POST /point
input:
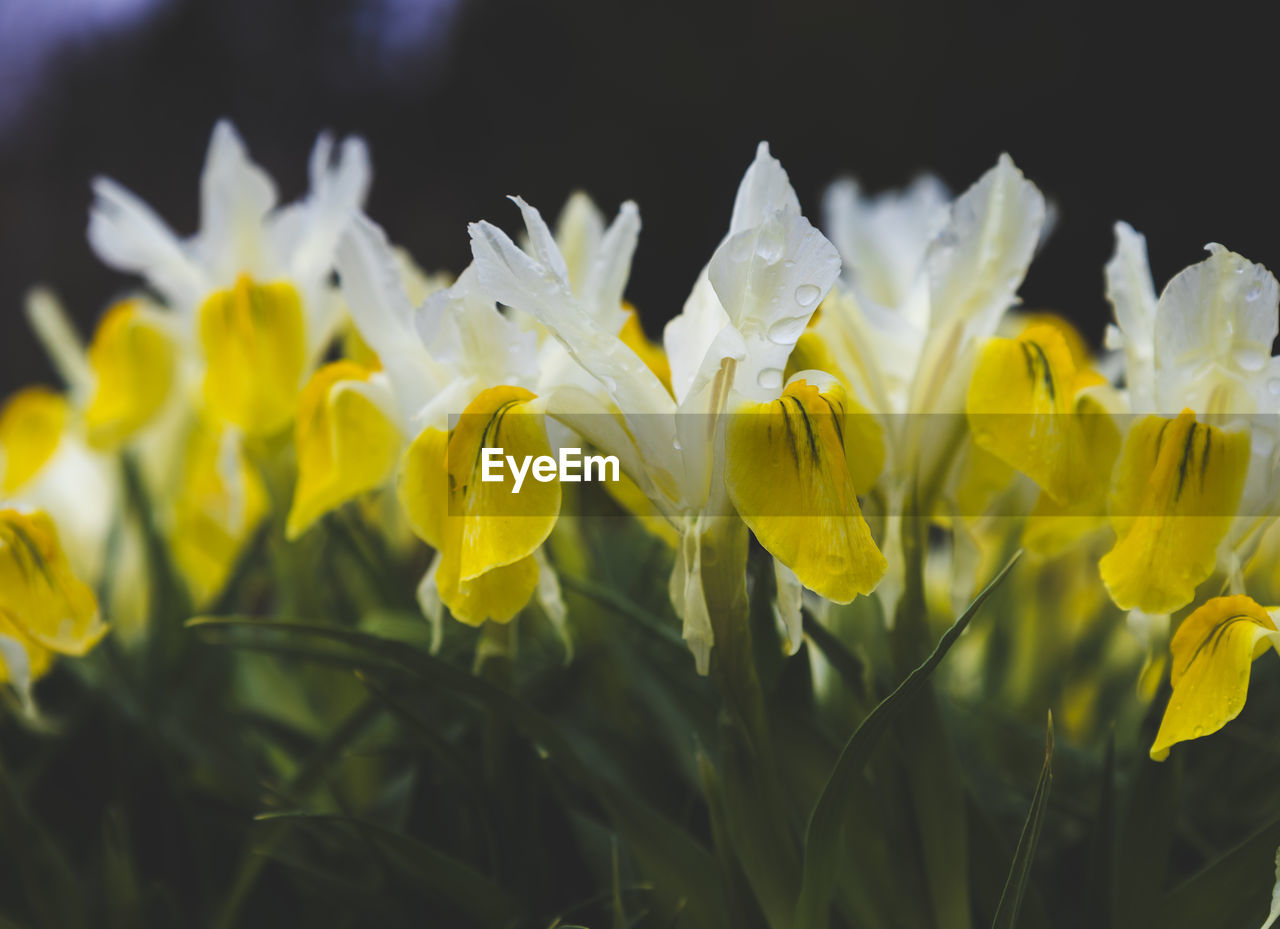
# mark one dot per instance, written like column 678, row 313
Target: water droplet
column 675, row 443
column 1251, row 359
column 1273, row 386
column 807, row 294
column 769, row 246
column 1254, row 293
column 770, row 378
column 785, row 331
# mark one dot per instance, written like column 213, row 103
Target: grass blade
column 1015, row 887
column 822, row 851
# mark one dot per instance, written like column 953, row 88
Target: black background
column 1146, row 113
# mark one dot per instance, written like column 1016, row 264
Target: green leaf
column 424, row 868
column 683, row 871
column 1099, row 886
column 822, row 852
column 1020, row 872
column 1233, row 891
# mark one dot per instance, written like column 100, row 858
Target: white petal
column 687, row 338
column 765, row 189
column 432, row 606
column 978, row 261
column 338, row 190
column 611, row 267
column 552, row 602
column 1222, row 311
column 127, row 235
column 57, row 334
column 770, row 279
column 579, row 229
column 235, row 197
column 787, row 606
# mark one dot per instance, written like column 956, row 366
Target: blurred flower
column 45, row 610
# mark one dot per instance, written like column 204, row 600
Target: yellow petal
column 1054, row 526
column 811, row 353
column 864, row 436
column 31, row 659
column 254, row 342
column 1213, row 652
column 132, row 360
column 1176, row 490
column 650, row 352
column 497, row 525
column 219, row 504
column 346, row 445
column 498, row 594
column 1020, row 403
column 787, row 475
column 485, row 533
column 39, row 594
column 31, row 425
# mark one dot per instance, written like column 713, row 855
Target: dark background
column 1145, row 114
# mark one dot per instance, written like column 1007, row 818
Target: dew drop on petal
column 770, row 378
column 1273, row 386
column 1254, row 293
column 786, row 331
column 770, row 246
column 807, row 294
column 1251, row 359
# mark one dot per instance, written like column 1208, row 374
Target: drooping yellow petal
column 486, row 532
column 864, row 435
column 499, row 525
column 1175, row 493
column 422, row 484
column 1213, row 652
column 39, row 593
column 650, row 352
column 132, row 360
column 219, row 504
column 254, row 341
column 31, row 426
column 497, row 595
column 1020, row 403
column 1054, row 526
column 787, row 474
column 346, row 444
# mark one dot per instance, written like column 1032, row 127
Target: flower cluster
column 864, row 401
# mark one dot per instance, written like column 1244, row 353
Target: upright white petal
column 370, row 281
column 978, row 261
column 127, row 235
column 883, row 239
column 235, row 197
column 611, row 267
column 1220, row 314
column 579, row 230
column 770, row 278
column 1133, row 301
column 338, row 190
column 765, row 189
column 688, row 336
